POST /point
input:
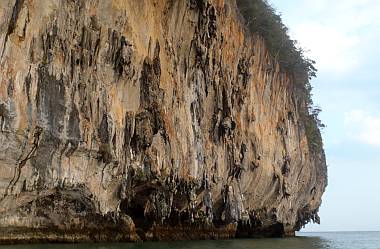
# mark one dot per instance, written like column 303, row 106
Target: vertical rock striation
column 163, row 119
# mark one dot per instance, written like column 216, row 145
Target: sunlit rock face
column 147, row 119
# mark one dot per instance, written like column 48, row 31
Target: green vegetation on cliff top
column 261, row 18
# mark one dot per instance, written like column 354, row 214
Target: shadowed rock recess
column 126, row 120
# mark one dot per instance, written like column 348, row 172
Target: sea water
column 331, row 240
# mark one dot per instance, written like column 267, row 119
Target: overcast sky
column 343, row 36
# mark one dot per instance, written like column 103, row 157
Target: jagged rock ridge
column 126, row 119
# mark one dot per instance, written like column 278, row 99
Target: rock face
column 147, row 119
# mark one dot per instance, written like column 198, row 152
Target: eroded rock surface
column 147, row 119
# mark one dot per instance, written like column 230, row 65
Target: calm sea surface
column 337, row 240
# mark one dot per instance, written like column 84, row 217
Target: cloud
column 363, row 126
column 334, row 51
column 339, row 34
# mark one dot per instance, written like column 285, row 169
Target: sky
column 343, row 37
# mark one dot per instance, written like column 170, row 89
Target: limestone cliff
column 147, row 119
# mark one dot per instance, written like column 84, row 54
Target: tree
column 261, row 18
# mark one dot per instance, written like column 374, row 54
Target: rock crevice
column 151, row 120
